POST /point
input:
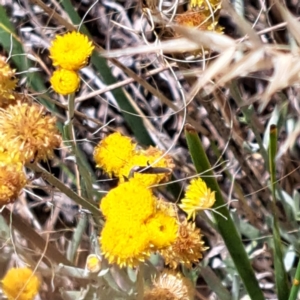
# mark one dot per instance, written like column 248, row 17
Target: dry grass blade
column 286, row 73
column 172, row 46
column 292, row 23
column 118, row 84
column 244, row 27
column 290, row 141
column 209, row 40
column 223, row 71
column 254, row 61
column 193, row 38
column 222, row 62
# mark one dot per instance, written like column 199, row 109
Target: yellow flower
column 65, row 82
column 8, row 158
column 162, row 229
column 125, row 246
column 7, row 83
column 197, row 197
column 93, row 263
column 199, row 19
column 206, row 3
column 187, row 249
column 170, row 285
column 12, row 177
column 166, row 207
column 156, row 153
column 144, row 159
column 28, row 131
column 129, row 202
column 112, row 153
column 71, row 51
column 21, row 284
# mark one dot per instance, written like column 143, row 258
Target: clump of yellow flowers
column 117, row 155
column 27, row 133
column 137, row 222
column 138, row 227
column 69, row 53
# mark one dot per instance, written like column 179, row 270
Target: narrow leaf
column 226, row 227
column 280, row 273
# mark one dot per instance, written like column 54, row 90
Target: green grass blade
column 248, row 112
column 214, row 283
column 280, row 273
column 10, row 41
column 77, row 238
column 296, row 284
column 85, row 203
column 226, row 227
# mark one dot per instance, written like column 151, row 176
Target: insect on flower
column 149, row 170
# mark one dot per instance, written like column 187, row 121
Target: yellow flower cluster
column 69, row 53
column 117, row 155
column 144, row 158
column 137, row 223
column 202, row 14
column 21, row 284
column 134, row 226
column 27, row 133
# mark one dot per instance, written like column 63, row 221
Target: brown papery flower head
column 28, row 131
column 7, row 83
column 170, row 286
column 188, row 247
column 12, row 177
column 202, row 19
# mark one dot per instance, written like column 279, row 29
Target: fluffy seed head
column 187, row 249
column 170, row 286
column 28, row 131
